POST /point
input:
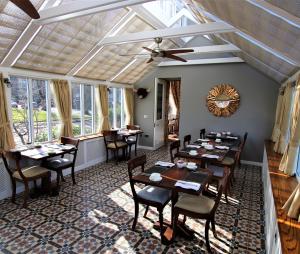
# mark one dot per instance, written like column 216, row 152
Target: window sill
column 88, row 137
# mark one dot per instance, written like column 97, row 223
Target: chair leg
column 174, row 226
column 226, row 193
column 58, row 173
column 116, row 156
column 135, row 148
column 106, row 155
column 146, row 211
column 129, row 152
column 161, row 224
column 136, row 215
column 14, row 187
column 62, row 177
column 207, row 236
column 26, row 194
column 213, row 227
column 73, row 174
column 184, row 219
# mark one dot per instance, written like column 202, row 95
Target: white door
column 159, row 113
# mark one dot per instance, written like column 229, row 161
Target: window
column 116, row 107
column 83, row 109
column 34, row 116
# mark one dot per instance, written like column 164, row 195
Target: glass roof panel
column 58, row 47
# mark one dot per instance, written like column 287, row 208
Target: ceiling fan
column 27, row 7
column 168, row 53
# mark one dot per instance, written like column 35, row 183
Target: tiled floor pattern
column 95, row 216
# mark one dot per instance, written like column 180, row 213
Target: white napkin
column 193, row 146
column 212, row 156
column 188, row 185
column 231, row 137
column 203, row 139
column 164, row 164
column 222, row 147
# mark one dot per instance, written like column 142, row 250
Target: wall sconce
column 7, row 82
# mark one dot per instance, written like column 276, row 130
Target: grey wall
column 255, row 114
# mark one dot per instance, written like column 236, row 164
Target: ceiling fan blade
column 27, row 7
column 150, row 60
column 178, row 51
column 150, row 50
column 175, row 58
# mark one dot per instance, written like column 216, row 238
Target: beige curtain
column 284, row 119
column 6, row 138
column 292, row 205
column 276, row 130
column 129, row 106
column 175, row 90
column 62, row 94
column 102, row 100
column 289, row 159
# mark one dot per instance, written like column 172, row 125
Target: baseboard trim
column 146, row 147
column 254, row 163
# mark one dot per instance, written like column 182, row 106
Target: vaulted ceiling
column 265, row 34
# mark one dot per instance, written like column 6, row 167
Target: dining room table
column 178, row 180
column 213, row 148
column 37, row 153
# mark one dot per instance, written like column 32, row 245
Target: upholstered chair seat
column 58, row 163
column 155, row 194
column 31, row 172
column 119, row 144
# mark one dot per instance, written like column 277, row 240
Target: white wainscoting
column 90, row 152
column 273, row 245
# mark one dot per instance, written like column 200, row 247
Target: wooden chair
column 199, row 207
column 132, row 140
column 24, row 175
column 174, row 150
column 219, row 167
column 202, row 133
column 113, row 143
column 242, row 146
column 149, row 195
column 59, row 164
column 186, row 140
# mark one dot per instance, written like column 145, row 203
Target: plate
column 156, row 180
column 193, row 154
column 191, row 167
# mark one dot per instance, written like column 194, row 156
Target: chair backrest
column 132, row 164
column 221, row 189
column 174, row 148
column 110, row 136
column 133, row 127
column 71, row 141
column 186, row 140
column 14, row 156
column 244, row 140
column 202, row 133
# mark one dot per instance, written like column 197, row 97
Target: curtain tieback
column 106, row 117
column 66, row 120
column 5, row 124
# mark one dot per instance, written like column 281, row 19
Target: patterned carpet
column 95, row 216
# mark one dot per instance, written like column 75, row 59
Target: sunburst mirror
column 223, row 100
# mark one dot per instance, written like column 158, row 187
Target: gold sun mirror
column 223, row 100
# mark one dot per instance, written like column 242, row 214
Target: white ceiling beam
column 8, row 71
column 202, row 61
column 277, row 12
column 25, row 38
column 82, row 8
column 97, row 48
column 253, row 40
column 147, row 16
column 200, row 29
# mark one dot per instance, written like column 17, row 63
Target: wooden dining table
column 169, row 178
column 231, row 143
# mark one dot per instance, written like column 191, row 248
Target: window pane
column 118, row 107
column 19, row 104
column 39, row 108
column 55, row 121
column 111, row 107
column 76, row 119
column 88, row 119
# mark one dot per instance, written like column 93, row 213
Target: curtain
column 62, row 94
column 129, row 106
column 6, row 138
column 276, row 130
column 292, row 205
column 175, row 90
column 102, row 99
column 289, row 159
column 284, row 119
